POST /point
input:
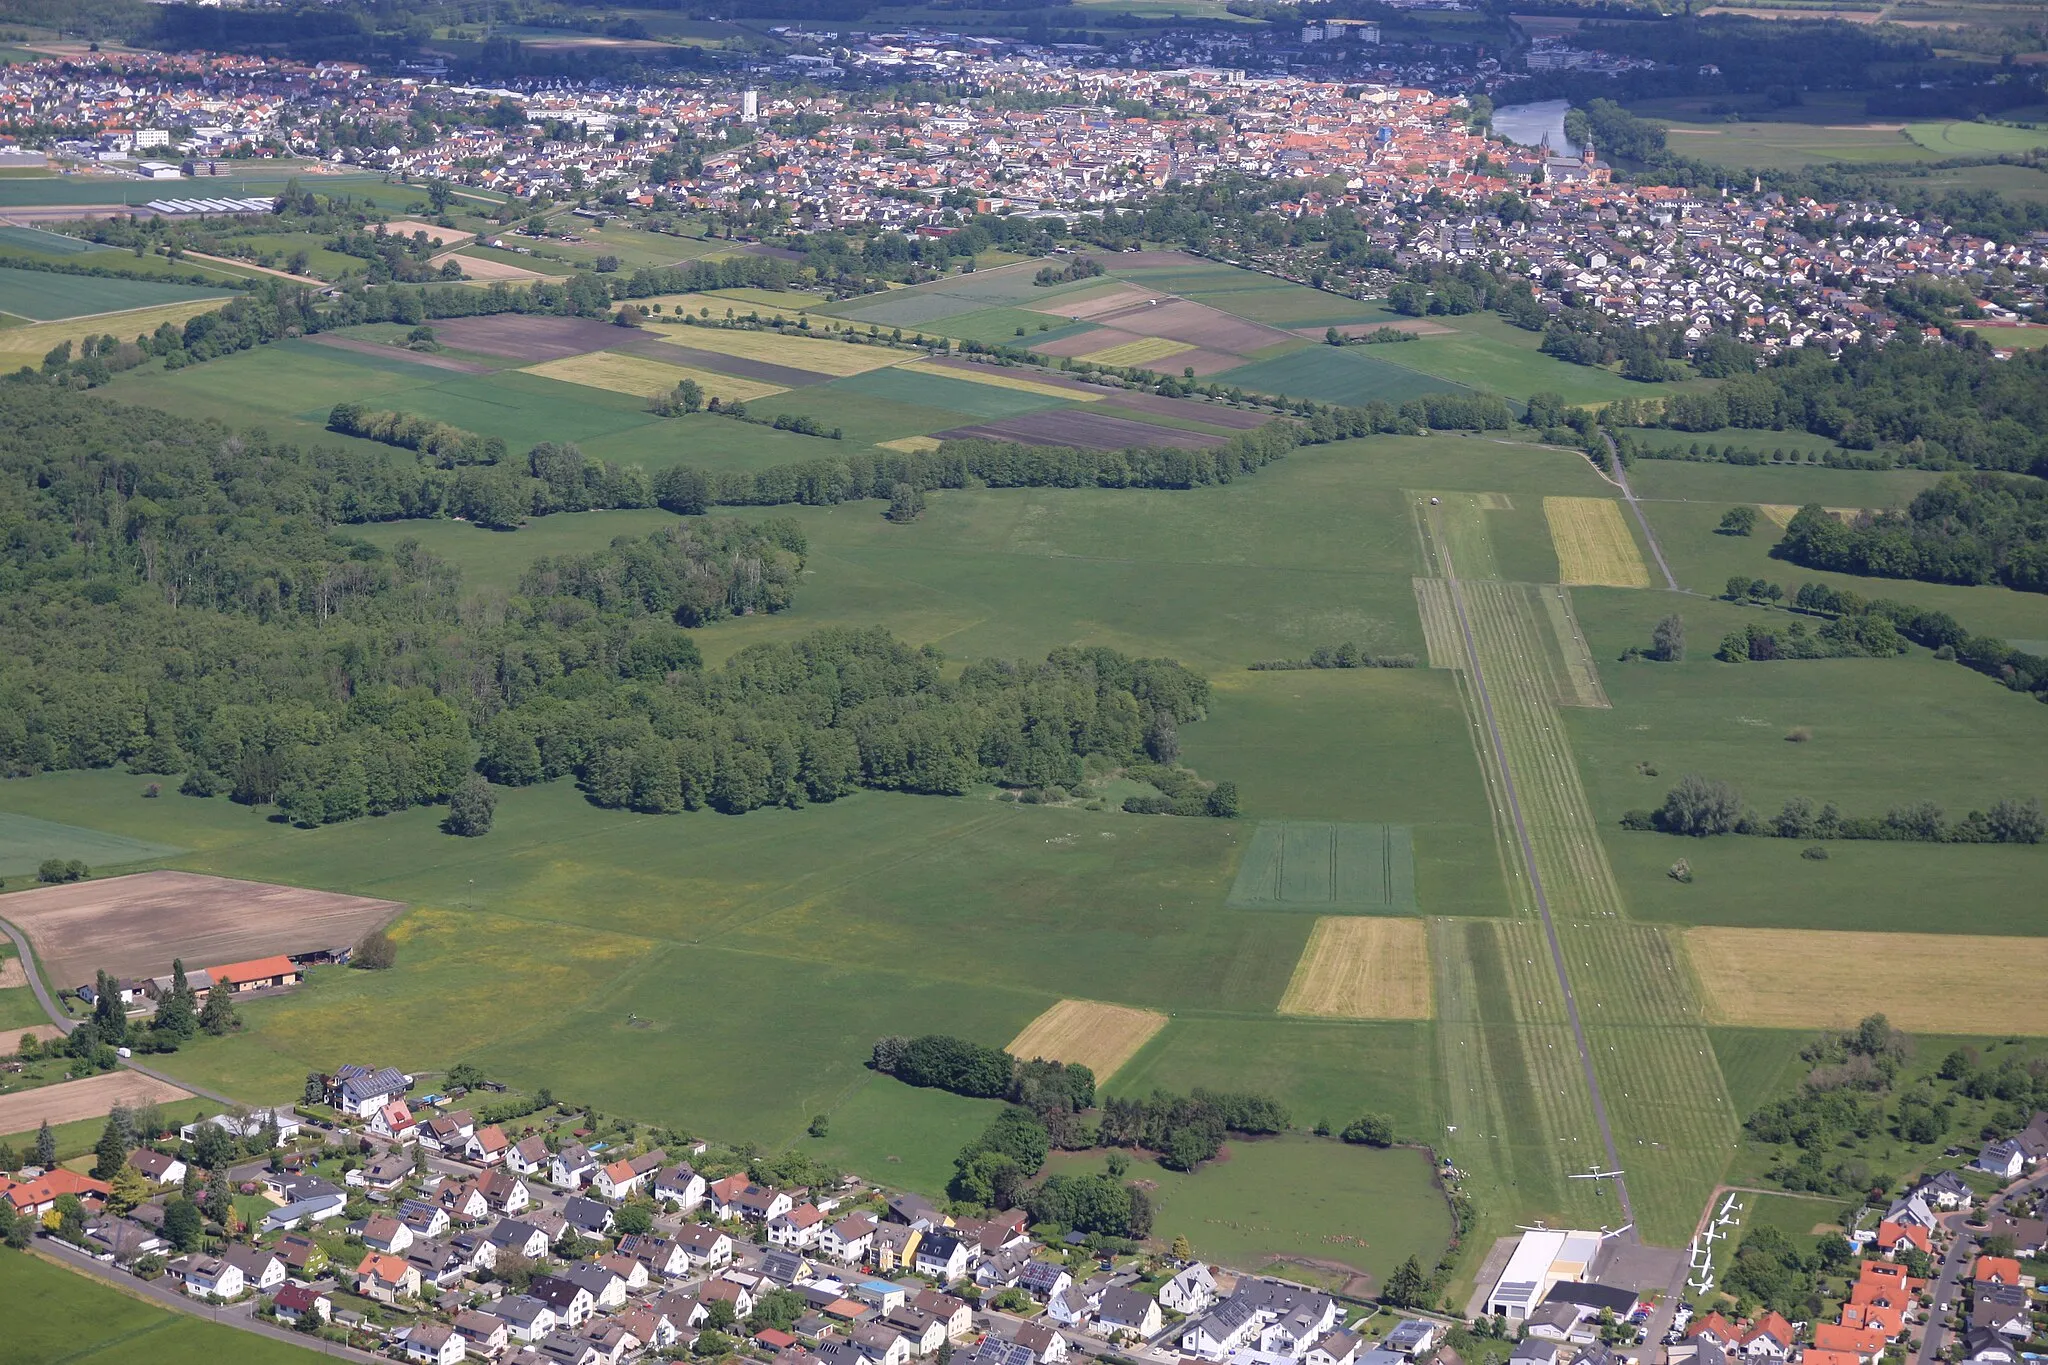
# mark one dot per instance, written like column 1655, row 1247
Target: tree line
column 1974, row 529
column 1701, row 807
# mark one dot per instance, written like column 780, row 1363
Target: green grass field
column 1787, row 146
column 1485, row 352
column 1334, row 374
column 82, row 1321
column 26, row 841
column 1976, row 139
column 44, row 297
column 1318, row 866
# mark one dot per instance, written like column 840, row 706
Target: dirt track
column 91, row 1098
column 136, row 925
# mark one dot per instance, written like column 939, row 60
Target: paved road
column 66, row 1023
column 162, row 1291
column 1953, row 1264
column 1628, row 492
column 1507, row 777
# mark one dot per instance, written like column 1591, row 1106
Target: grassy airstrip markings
column 617, row 373
column 1806, row 978
column 1439, row 625
column 1312, row 865
column 1362, row 967
column 1594, row 546
column 1100, row 1037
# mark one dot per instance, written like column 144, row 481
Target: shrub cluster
column 1701, row 808
column 447, row 446
column 1187, row 1130
column 1334, row 656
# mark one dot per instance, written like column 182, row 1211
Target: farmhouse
column 259, row 974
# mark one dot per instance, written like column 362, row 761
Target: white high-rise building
column 750, row 107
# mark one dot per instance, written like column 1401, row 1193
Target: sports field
column 1354, row 967
column 1098, row 1036
column 1808, row 979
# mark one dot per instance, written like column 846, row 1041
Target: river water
column 1527, row 123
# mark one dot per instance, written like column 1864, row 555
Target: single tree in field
column 1407, row 1287
column 1738, row 521
column 1667, row 640
column 377, row 952
column 219, row 1015
column 46, row 1146
column 1700, row 807
column 471, row 808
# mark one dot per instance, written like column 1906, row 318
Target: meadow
column 43, row 297
column 82, row 1321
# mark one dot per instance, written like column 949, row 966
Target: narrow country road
column 1628, row 492
column 1456, row 593
column 58, row 1017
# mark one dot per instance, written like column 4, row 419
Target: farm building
column 1542, row 1259
column 258, row 974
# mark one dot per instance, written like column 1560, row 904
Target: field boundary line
column 1536, row 885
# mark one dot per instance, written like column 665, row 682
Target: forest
column 1980, row 528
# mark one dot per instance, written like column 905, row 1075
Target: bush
column 1699, row 807
column 1371, row 1130
column 58, row 870
column 376, row 953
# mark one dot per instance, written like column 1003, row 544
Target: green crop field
column 42, row 243
column 44, row 297
column 998, row 327
column 928, row 389
column 1976, row 139
column 1788, row 146
column 1486, row 353
column 1334, row 374
column 1313, row 865
column 26, row 841
column 80, row 1320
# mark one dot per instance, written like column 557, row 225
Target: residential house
column 1865, row 1343
column 1946, row 1191
column 435, row 1344
column 999, row 1269
column 731, row 1291
column 993, row 1350
column 279, row 1127
column 707, row 1246
column 423, row 1219
column 848, row 1239
column 1713, row 1329
column 924, row 1332
column 294, row 1301
column 572, row 1167
column 1982, row 1346
column 209, row 1277
column 654, row 1328
column 1337, row 1347
column 520, row 1238
column 448, row 1133
column 661, row 1255
column 894, row 1247
column 573, row 1303
column 34, row 1198
column 952, row 1313
column 1534, row 1352
column 942, row 1256
column 680, row 1187
column 483, row 1334
column 1912, row 1211
column 261, row 1270
column 307, row 1200
column 382, row 1232
column 528, row 1157
column 1045, row 1280
column 1127, row 1311
column 360, row 1092
column 587, row 1216
column 383, row 1173
column 394, row 1122
column 464, row 1200
column 505, row 1191
column 881, row 1343
column 1895, row 1238
column 1414, row 1338
column 757, row 1204
column 2029, row 1235
column 488, row 1145
column 783, row 1267
column 616, row 1181
column 2033, row 1139
column 1559, row 1321
column 476, row 1250
column 1047, row 1347
column 157, row 1168
column 2004, row 1159
column 634, row 1272
column 525, row 1317
column 2004, row 1309
column 1192, row 1290
column 607, row 1286
column 440, row 1265
column 124, row 1239
column 386, row 1278
column 796, row 1227
column 1267, row 1315
column 1769, row 1338
column 264, row 973
column 1996, row 1270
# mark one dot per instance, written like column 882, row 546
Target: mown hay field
column 1820, row 978
column 28, row 345
column 801, row 353
column 1362, row 967
column 1141, row 352
column 1594, row 547
column 1098, row 1036
column 648, row 378
column 998, row 379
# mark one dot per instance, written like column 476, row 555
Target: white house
column 680, row 1186
column 799, row 1227
column 209, row 1277
column 707, row 1246
column 529, row 1157
column 571, row 1167
column 849, row 1238
column 1191, row 1291
column 261, row 1270
column 1127, row 1311
column 1267, row 1315
column 435, row 1344
column 2004, row 1159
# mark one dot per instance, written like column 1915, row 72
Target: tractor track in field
column 1498, row 744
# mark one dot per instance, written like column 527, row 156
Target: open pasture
column 1098, row 1036
column 1814, row 979
column 1484, row 352
column 1333, row 374
column 135, row 925
column 1594, row 545
column 1313, row 865
column 1361, row 967
column 91, row 1098
column 81, row 1321
column 1969, row 138
column 26, row 841
column 642, row 378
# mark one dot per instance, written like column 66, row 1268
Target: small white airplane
column 1593, row 1172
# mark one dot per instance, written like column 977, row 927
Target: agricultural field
column 28, row 345
column 80, row 1320
column 1788, row 146
column 797, row 352
column 1355, row 967
column 1962, row 138
column 1333, row 374
column 1484, row 352
column 1098, row 1036
column 79, row 1101
column 1813, row 979
column 1594, row 545
column 636, row 377
column 1306, row 865
column 26, row 841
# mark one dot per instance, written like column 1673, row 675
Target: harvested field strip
column 1362, row 967
column 672, row 353
column 1439, row 623
column 912, row 445
column 1811, row 978
column 1557, row 657
column 28, row 345
column 839, row 358
column 1779, row 514
column 1594, row 545
column 91, row 1098
column 1098, row 1036
column 1142, row 352
column 995, row 378
column 648, row 378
